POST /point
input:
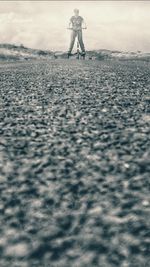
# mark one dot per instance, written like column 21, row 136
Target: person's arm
column 84, row 24
column 70, row 24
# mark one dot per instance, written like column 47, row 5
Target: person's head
column 76, row 12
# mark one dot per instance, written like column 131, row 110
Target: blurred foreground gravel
column 74, row 164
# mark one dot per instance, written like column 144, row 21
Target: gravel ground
column 74, row 164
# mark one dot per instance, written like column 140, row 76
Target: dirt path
column 74, row 164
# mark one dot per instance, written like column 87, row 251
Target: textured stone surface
column 74, row 164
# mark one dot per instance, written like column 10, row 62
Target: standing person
column 76, row 25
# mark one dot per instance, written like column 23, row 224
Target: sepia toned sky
column 115, row 25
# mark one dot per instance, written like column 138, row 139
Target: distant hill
column 104, row 54
column 120, row 55
column 11, row 52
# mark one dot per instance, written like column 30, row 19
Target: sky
column 114, row 25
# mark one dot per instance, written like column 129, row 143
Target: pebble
column 17, row 250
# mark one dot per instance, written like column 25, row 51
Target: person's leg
column 80, row 39
column 73, row 36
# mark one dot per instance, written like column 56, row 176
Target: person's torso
column 77, row 23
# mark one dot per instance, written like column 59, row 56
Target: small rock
column 145, row 203
column 95, row 210
column 17, row 250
